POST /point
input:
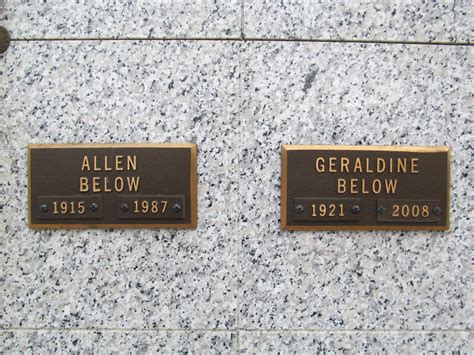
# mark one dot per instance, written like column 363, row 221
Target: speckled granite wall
column 139, row 72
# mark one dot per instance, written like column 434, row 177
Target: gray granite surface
column 460, row 125
column 237, row 283
column 384, row 20
column 121, row 92
column 438, row 21
column 372, row 94
column 119, row 342
column 356, row 342
column 119, row 19
column 228, row 342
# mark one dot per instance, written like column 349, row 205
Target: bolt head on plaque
column 355, row 209
column 124, row 207
column 112, row 185
column 299, row 209
column 356, row 187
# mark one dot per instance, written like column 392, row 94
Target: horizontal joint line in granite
column 242, row 39
column 269, row 331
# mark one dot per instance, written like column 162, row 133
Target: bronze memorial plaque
column 112, row 185
column 364, row 188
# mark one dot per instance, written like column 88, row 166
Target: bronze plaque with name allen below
column 112, row 185
column 365, row 188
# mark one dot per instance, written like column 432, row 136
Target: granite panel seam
column 239, row 39
column 234, row 330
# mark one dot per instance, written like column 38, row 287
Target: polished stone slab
column 239, row 102
column 362, row 94
column 460, row 131
column 82, row 92
column 118, row 341
column 102, row 19
column 439, row 21
column 356, row 342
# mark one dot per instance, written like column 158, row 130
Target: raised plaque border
column 192, row 181
column 416, row 149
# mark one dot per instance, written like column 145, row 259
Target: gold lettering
column 118, row 162
column 344, row 165
column 391, row 186
column 358, row 165
column 402, row 165
column 320, row 165
column 414, row 165
column 391, row 165
column 341, row 186
column 106, row 184
column 377, row 189
column 364, row 191
column 380, row 165
column 133, row 183
column 332, row 165
column 132, row 162
column 353, row 186
column 367, row 166
column 119, row 184
column 106, row 164
column 96, row 167
column 83, row 184
column 96, row 184
column 85, row 164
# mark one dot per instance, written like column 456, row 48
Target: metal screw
column 124, row 207
column 176, row 207
column 299, row 209
column 4, row 39
column 94, row 207
column 381, row 210
column 437, row 210
column 43, row 208
column 355, row 209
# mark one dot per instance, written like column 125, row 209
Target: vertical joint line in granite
column 240, row 118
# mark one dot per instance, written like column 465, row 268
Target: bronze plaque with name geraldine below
column 112, row 185
column 365, row 188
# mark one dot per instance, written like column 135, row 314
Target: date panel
column 151, row 207
column 326, row 209
column 409, row 211
column 69, row 207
